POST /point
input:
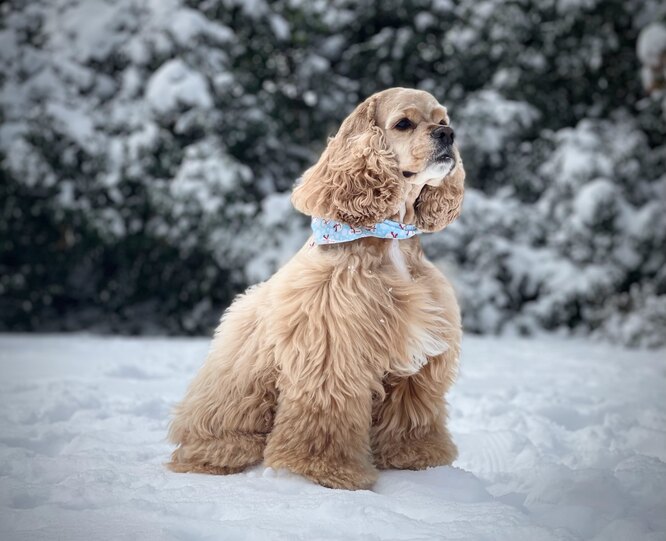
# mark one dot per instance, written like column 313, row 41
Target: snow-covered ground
column 559, row 439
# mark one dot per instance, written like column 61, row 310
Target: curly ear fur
column 437, row 207
column 356, row 180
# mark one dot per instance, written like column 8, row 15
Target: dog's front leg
column 410, row 431
column 322, row 431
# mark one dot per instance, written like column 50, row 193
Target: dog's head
column 393, row 157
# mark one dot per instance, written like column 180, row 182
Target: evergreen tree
column 147, row 151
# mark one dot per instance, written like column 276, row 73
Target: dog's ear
column 356, row 180
column 436, row 207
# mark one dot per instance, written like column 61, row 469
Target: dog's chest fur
column 425, row 332
column 398, row 259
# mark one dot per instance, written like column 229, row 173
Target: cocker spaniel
column 339, row 363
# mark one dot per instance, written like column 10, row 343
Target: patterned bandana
column 332, row 232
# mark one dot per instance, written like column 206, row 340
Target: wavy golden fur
column 338, row 365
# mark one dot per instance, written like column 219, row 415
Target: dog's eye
column 443, row 123
column 404, row 124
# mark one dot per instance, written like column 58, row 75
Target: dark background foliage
column 148, row 150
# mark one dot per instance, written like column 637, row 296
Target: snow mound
column 558, row 440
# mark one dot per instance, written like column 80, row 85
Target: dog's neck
column 433, row 175
column 406, row 214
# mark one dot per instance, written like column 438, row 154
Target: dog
column 338, row 365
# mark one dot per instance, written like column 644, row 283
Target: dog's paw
column 417, row 454
column 333, row 474
column 230, row 453
column 348, row 477
column 184, row 467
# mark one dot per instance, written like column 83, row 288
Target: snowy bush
column 147, row 150
column 651, row 49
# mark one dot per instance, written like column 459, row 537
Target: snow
column 651, row 45
column 86, row 29
column 559, row 439
column 277, row 215
column 175, row 84
column 187, row 25
column 579, row 155
column 651, row 50
column 74, row 123
column 593, row 198
column 491, row 120
column 279, row 26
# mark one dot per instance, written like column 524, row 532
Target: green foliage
column 148, row 151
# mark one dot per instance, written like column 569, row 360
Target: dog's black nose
column 444, row 134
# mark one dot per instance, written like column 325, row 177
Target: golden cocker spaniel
column 339, row 363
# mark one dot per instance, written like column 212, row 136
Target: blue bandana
column 332, row 232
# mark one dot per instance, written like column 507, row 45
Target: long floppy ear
column 437, row 207
column 356, row 180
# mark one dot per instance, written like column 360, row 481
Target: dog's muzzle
column 444, row 135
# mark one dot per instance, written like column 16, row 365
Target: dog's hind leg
column 223, row 433
column 221, row 425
